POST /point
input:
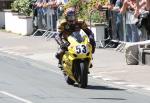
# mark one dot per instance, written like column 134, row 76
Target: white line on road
column 111, row 72
column 121, row 83
column 15, row 97
column 97, row 76
column 147, row 88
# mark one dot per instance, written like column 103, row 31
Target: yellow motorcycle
column 76, row 60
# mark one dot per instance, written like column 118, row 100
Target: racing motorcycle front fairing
column 79, row 47
column 79, row 50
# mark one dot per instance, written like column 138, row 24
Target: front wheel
column 83, row 75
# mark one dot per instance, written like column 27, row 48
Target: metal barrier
column 118, row 30
column 49, row 34
column 46, row 22
column 143, row 34
column 144, row 40
column 114, row 33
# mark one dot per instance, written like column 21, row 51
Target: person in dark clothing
column 35, row 14
column 113, row 2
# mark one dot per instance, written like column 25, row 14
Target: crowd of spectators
column 132, row 10
column 45, row 13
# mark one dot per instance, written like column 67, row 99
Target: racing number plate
column 81, row 49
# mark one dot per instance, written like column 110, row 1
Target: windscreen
column 77, row 36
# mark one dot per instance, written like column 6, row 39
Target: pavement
column 108, row 64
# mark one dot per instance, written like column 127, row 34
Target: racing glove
column 64, row 45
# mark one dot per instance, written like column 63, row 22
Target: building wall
column 23, row 24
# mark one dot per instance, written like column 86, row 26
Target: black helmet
column 70, row 14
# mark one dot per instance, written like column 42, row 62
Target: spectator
column 44, row 9
column 109, row 15
column 143, row 4
column 148, row 19
column 148, row 5
column 35, row 14
column 60, row 8
column 112, row 2
column 144, row 16
column 52, row 15
column 118, row 20
column 109, row 5
column 39, row 5
column 132, row 33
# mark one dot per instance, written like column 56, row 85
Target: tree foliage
column 22, row 6
column 84, row 9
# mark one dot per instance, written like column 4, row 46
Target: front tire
column 83, row 76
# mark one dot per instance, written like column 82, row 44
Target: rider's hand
column 64, row 45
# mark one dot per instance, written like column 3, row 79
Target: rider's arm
column 59, row 36
column 87, row 30
column 90, row 35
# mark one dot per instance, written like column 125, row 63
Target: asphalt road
column 26, row 81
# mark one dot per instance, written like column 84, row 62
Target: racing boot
column 59, row 60
column 60, row 66
column 91, row 65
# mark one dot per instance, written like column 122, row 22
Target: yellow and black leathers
column 65, row 29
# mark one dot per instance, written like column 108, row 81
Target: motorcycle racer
column 67, row 27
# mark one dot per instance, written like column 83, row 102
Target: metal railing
column 46, row 22
column 118, row 30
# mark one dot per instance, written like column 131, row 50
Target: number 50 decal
column 81, row 49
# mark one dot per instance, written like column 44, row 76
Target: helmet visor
column 71, row 18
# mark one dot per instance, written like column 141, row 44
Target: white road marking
column 132, row 85
column 122, row 83
column 107, row 79
column 111, row 72
column 15, row 97
column 96, row 76
column 147, row 88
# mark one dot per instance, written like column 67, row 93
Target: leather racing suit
column 66, row 29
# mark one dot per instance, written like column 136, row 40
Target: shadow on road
column 106, row 88
column 96, row 87
column 103, row 88
column 109, row 98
